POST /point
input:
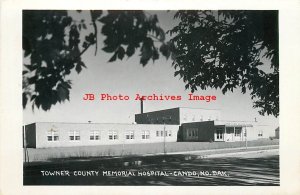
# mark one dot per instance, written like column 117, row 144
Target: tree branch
column 96, row 32
column 157, row 39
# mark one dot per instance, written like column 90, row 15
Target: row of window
column 74, row 135
column 166, row 120
column 192, row 132
column 161, row 133
column 186, row 118
column 201, row 118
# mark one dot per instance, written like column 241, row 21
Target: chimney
column 142, row 106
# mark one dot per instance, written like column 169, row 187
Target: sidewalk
column 223, row 152
column 246, row 154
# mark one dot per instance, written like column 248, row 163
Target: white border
column 10, row 94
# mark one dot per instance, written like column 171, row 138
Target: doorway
column 219, row 135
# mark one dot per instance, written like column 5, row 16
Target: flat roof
column 100, row 123
column 234, row 123
column 178, row 108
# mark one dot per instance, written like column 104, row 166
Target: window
column 162, row 133
column 129, row 135
column 112, row 135
column 229, row 130
column 52, row 135
column 238, row 131
column 74, row 135
column 260, row 133
column 192, row 132
column 145, row 134
column 94, row 135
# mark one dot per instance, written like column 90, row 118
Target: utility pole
column 165, row 138
column 246, row 137
column 123, row 142
column 165, row 133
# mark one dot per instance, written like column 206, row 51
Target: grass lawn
column 46, row 154
column 255, row 170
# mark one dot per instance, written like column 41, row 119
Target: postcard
column 143, row 98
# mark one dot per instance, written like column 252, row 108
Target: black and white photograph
column 150, row 97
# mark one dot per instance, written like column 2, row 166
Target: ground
column 255, row 168
column 46, row 154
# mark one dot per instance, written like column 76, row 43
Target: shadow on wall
column 180, row 134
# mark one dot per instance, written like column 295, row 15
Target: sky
column 129, row 77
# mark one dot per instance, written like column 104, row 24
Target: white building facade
column 47, row 134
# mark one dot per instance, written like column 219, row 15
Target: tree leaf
column 130, row 50
column 78, row 68
column 113, row 58
column 24, row 102
column 165, row 50
column 121, row 53
column 109, row 49
column 30, row 67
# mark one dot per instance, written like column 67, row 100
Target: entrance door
column 219, row 136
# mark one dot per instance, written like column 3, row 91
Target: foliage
column 126, row 31
column 52, row 56
column 216, row 49
column 225, row 50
